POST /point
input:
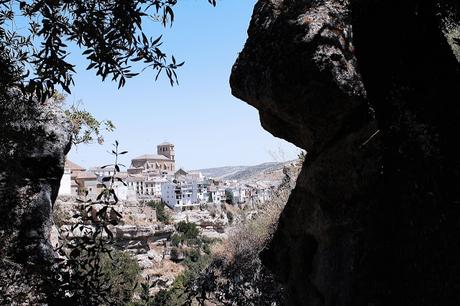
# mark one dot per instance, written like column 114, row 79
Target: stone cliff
column 368, row 88
column 34, row 141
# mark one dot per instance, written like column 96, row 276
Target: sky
column 207, row 125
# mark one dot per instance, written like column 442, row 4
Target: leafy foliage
column 82, row 274
column 236, row 275
column 178, row 294
column 122, row 273
column 230, row 216
column 188, row 229
column 111, row 34
column 85, row 127
column 162, row 214
column 229, row 197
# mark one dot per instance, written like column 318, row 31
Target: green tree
column 162, row 214
column 85, row 127
column 228, row 197
column 122, row 273
column 190, row 230
column 112, row 35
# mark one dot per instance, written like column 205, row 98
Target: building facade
column 155, row 164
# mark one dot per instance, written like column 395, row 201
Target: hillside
column 270, row 171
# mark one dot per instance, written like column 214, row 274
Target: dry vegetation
column 236, row 275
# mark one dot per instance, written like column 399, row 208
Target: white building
column 146, row 187
column 178, row 194
column 260, row 192
column 239, row 194
column 66, row 182
column 202, row 191
column 216, row 195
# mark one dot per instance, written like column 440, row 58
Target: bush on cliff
column 235, row 275
column 162, row 214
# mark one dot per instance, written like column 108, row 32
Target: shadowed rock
column 34, row 141
column 374, row 218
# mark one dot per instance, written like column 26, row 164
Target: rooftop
column 151, row 156
column 166, row 144
column 73, row 166
column 86, row 175
column 109, row 168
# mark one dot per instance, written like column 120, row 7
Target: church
column 155, row 164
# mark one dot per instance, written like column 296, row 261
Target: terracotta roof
column 86, row 175
column 151, row 156
column 73, row 166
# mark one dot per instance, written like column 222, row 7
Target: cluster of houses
column 154, row 177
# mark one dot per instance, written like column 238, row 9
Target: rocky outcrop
column 34, row 141
column 366, row 87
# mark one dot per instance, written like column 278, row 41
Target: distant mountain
column 271, row 171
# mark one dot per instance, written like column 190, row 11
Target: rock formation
column 34, row 140
column 368, row 88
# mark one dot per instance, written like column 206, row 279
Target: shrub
column 176, row 254
column 236, row 275
column 190, row 230
column 178, row 294
column 230, row 217
column 121, row 272
column 176, row 239
column 212, row 212
column 162, row 298
column 162, row 214
column 193, row 255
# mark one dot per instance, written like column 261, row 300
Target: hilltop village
column 207, row 210
column 153, row 177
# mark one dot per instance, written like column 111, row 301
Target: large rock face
column 368, row 88
column 34, row 139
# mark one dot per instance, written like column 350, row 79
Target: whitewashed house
column 238, row 194
column 202, row 191
column 216, row 194
column 88, row 185
column 66, row 183
column 179, row 194
column 146, row 187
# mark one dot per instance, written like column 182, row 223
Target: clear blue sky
column 208, row 126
